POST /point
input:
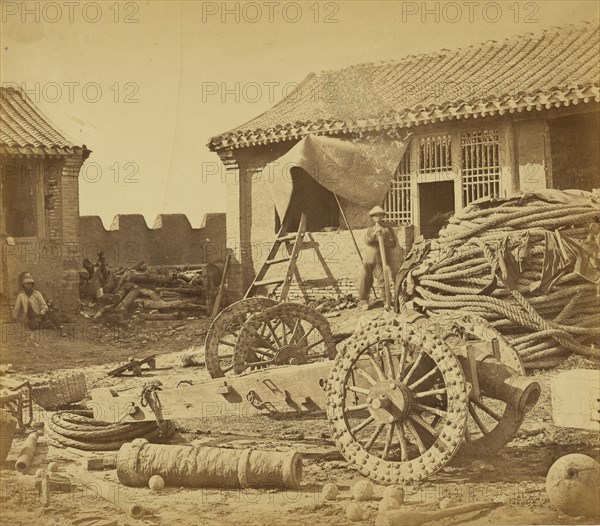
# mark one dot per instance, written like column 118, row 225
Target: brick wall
column 170, row 241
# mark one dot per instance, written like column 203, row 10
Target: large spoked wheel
column 397, row 403
column 492, row 423
column 286, row 334
column 222, row 335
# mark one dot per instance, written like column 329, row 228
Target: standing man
column 372, row 256
column 31, row 307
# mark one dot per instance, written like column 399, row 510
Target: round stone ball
column 573, row 485
column 354, row 512
column 330, row 491
column 387, row 504
column 362, row 490
column 39, row 473
column 394, row 492
column 156, row 483
column 52, row 467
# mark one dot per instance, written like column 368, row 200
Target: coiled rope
column 449, row 273
column 78, row 429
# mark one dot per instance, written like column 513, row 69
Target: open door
column 436, row 204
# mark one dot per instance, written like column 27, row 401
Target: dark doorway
column 574, row 150
column 436, row 202
column 309, row 196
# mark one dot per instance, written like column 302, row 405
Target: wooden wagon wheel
column 397, row 403
column 222, row 335
column 286, row 334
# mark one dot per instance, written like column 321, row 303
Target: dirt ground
column 515, row 476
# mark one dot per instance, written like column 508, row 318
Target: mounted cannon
column 402, row 394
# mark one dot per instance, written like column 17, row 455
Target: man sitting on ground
column 31, row 308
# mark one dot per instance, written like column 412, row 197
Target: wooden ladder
column 293, row 242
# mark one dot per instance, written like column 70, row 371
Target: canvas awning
column 359, row 171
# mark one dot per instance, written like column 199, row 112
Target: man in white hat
column 371, row 256
column 31, row 307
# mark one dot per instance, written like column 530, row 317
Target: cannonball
column 362, row 490
column 394, row 492
column 52, row 467
column 387, row 504
column 354, row 512
column 39, row 473
column 329, row 491
column 156, row 483
column 573, row 485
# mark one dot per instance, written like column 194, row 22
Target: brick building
column 40, row 202
column 491, row 119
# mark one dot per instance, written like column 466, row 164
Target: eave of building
column 526, row 102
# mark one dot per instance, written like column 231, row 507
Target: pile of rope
column 78, row 429
column 461, row 271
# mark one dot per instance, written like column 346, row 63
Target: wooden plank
column 576, row 399
column 282, row 390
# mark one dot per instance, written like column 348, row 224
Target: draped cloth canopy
column 359, row 171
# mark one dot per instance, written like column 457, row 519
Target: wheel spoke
column 357, row 389
column 402, row 361
column 296, row 326
column 227, row 369
column 487, row 409
column 432, row 410
column 364, row 374
column 374, row 436
column 388, row 359
column 478, row 421
column 284, row 335
column 417, row 419
column 413, row 367
column 432, row 392
column 314, row 344
column 375, row 365
column 418, row 441
column 225, row 342
column 266, row 343
column 356, row 407
column 423, row 378
column 388, row 441
column 362, row 425
column 273, row 333
column 403, row 446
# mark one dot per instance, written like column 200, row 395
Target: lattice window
column 397, row 203
column 480, row 165
column 435, row 154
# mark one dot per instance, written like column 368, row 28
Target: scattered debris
column 27, row 453
column 416, row 518
column 327, row 305
column 106, row 490
column 135, row 366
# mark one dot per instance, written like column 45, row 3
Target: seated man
column 372, row 257
column 31, row 308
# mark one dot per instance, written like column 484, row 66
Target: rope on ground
column 78, row 429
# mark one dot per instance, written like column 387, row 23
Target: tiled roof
column 25, row 131
column 556, row 68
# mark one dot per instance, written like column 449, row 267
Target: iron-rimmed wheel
column 222, row 335
column 397, row 403
column 286, row 334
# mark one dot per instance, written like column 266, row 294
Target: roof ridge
column 446, row 52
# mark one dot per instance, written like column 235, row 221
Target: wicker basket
column 8, row 424
column 59, row 391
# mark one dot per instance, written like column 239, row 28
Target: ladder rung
column 288, row 237
column 279, row 260
column 268, row 282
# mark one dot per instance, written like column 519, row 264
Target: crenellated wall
column 170, row 241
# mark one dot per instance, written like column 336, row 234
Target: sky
column 144, row 85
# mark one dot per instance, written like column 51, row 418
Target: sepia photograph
column 284, row 263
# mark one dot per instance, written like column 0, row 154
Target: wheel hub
column 290, row 355
column 389, row 401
